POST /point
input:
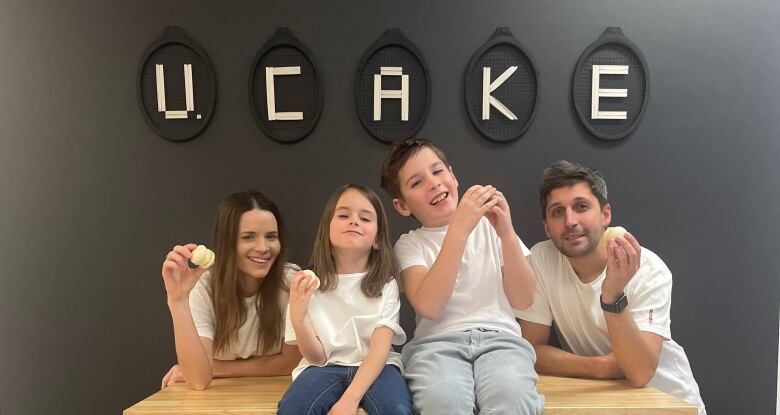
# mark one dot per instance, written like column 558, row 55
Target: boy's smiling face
column 429, row 189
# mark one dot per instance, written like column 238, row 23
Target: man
column 610, row 300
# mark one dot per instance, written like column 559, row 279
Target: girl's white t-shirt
column 344, row 320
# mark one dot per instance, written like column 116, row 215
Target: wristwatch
column 618, row 306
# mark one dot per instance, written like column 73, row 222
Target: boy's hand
column 477, row 201
column 500, row 217
column 300, row 293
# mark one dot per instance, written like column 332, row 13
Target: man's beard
column 593, row 238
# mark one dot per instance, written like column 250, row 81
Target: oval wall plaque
column 610, row 86
column 392, row 88
column 177, row 87
column 501, row 88
column 284, row 89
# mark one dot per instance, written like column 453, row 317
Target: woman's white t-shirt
column 246, row 344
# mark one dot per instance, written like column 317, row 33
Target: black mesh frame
column 612, row 48
column 393, row 49
column 172, row 49
column 302, row 92
column 520, row 93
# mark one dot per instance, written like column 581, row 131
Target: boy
column 463, row 270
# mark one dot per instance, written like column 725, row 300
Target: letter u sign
column 177, row 82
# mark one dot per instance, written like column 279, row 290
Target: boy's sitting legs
column 504, row 374
column 445, row 370
column 440, row 375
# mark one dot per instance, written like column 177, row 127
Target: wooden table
column 564, row 396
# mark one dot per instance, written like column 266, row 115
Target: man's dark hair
column 564, row 173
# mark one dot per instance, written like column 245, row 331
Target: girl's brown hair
column 381, row 263
column 226, row 296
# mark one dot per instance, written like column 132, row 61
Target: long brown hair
column 381, row 262
column 226, row 296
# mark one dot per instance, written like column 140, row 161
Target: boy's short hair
column 564, row 173
column 398, row 156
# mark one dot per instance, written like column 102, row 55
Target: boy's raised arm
column 429, row 290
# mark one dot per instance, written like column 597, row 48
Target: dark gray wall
column 92, row 199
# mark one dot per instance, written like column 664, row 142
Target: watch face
column 622, row 303
column 619, row 305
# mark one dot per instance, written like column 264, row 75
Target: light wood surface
column 564, row 396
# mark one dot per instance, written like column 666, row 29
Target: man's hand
column 608, row 367
column 623, row 255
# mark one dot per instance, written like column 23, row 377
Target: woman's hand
column 179, row 278
column 173, row 376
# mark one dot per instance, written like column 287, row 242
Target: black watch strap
column 618, row 306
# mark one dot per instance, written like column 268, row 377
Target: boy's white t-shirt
column 478, row 299
column 344, row 320
column 246, row 342
column 576, row 309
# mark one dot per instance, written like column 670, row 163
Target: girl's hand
column 301, row 290
column 173, row 376
column 344, row 407
column 179, row 278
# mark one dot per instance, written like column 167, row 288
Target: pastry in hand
column 314, row 281
column 201, row 257
column 613, row 232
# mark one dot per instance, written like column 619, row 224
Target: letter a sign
column 392, row 88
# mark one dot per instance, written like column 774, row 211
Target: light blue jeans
column 476, row 371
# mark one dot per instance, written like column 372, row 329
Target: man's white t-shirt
column 478, row 299
column 344, row 320
column 576, row 309
column 246, row 342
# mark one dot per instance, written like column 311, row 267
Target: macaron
column 613, row 232
column 201, row 257
column 313, row 279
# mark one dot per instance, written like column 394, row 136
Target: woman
column 228, row 321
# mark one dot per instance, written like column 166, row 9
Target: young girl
column 345, row 328
column 228, row 321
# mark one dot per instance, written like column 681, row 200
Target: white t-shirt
column 344, row 320
column 478, row 299
column 576, row 309
column 246, row 342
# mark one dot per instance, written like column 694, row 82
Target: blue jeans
column 475, row 371
column 317, row 389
